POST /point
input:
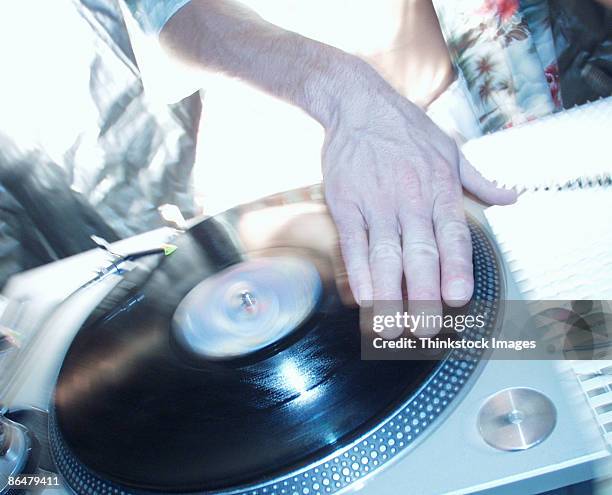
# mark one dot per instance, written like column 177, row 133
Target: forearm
column 392, row 178
column 224, row 36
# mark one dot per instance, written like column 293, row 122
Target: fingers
column 385, row 256
column 454, row 246
column 420, row 255
column 354, row 246
column 482, row 188
column 421, row 265
column 386, row 266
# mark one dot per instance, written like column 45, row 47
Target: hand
column 393, row 184
column 392, row 178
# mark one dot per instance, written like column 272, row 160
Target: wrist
column 338, row 84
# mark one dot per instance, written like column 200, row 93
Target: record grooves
column 131, row 414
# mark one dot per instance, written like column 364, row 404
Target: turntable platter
column 136, row 409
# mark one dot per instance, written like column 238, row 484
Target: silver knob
column 516, row 419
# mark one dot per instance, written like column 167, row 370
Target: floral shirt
column 504, row 52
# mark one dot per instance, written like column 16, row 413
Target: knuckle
column 445, row 175
column 456, row 231
column 415, row 216
column 347, row 218
column 349, row 231
column 385, row 250
column 412, row 184
column 448, row 194
column 421, row 249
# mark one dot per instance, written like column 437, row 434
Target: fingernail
column 458, row 290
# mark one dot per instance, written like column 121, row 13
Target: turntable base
column 442, row 462
column 232, row 367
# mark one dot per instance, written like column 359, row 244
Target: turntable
column 233, row 365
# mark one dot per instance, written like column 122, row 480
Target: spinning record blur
column 133, row 406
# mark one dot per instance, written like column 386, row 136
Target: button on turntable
column 516, row 419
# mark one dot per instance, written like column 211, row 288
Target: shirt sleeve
column 165, row 79
column 152, row 15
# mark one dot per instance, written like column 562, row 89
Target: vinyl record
column 144, row 402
